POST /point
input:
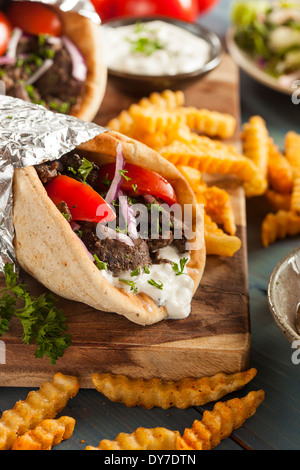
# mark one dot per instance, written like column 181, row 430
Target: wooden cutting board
column 216, row 335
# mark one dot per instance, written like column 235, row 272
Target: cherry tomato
column 34, row 18
column 106, row 9
column 5, row 33
column 138, row 181
column 205, row 5
column 83, row 202
column 186, row 10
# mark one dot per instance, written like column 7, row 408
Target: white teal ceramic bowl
column 284, row 295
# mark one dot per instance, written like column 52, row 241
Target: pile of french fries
column 32, row 423
column 197, row 142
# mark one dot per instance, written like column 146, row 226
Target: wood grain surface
column 216, row 335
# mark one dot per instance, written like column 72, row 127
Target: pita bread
column 49, row 250
column 86, row 35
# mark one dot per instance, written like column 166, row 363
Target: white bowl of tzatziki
column 159, row 52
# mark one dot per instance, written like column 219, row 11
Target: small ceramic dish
column 284, row 295
column 247, row 64
column 143, row 84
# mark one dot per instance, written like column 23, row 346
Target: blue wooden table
column 276, row 425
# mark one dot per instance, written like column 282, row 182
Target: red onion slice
column 13, row 43
column 112, row 193
column 79, row 70
column 40, row 71
column 87, row 251
column 5, row 60
column 128, row 215
column 74, row 226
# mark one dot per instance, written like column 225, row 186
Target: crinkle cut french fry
column 192, row 175
column 278, row 201
column 255, row 140
column 123, row 123
column 141, row 439
column 152, row 120
column 280, row 172
column 211, row 123
column 292, row 152
column 167, row 99
column 217, row 161
column 216, row 425
column 165, row 394
column 219, row 423
column 46, row 434
column 292, row 148
column 218, row 206
column 279, row 226
column 217, row 241
column 42, row 404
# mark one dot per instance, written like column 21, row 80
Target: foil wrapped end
column 30, row 134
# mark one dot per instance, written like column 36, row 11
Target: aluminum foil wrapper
column 29, row 135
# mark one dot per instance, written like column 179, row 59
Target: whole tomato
column 5, row 33
column 186, row 10
column 205, row 5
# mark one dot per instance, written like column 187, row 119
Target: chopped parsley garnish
column 100, row 264
column 30, row 91
column 157, row 284
column 106, row 181
column 145, row 45
column 180, row 269
column 85, row 169
column 136, row 272
column 66, row 216
column 129, row 283
column 122, row 172
column 79, row 233
column 43, row 324
column 147, row 270
column 63, row 108
column 72, row 170
column 134, row 187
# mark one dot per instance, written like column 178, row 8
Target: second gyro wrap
column 54, row 56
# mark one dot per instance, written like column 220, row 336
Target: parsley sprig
column 85, row 169
column 43, row 324
column 157, row 284
column 131, row 284
column 180, row 269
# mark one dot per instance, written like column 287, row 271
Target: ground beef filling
column 118, row 256
column 56, row 89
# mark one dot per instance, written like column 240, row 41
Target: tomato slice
column 83, row 202
column 138, row 181
column 34, row 18
column 186, row 10
column 5, row 33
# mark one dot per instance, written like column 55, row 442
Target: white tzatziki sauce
column 167, row 289
column 153, row 48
